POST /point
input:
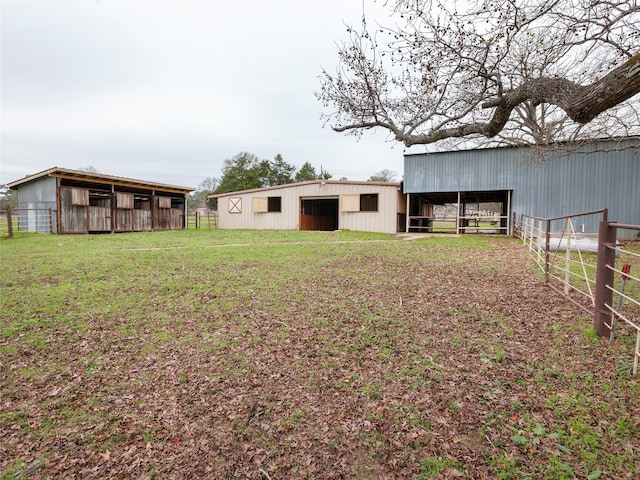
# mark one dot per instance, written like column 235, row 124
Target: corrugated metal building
column 86, row 202
column 316, row 205
column 604, row 174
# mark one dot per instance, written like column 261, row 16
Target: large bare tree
column 513, row 71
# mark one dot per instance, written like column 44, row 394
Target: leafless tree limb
column 513, row 71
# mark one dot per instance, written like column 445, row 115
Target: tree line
column 245, row 171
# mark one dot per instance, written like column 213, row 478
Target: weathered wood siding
column 74, row 218
column 124, row 200
column 99, row 219
column 83, row 202
column 165, row 217
column 124, row 220
column 141, row 220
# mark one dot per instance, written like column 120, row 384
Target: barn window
column 99, row 198
column 79, row 196
column 235, row 205
column 366, row 202
column 369, row 202
column 275, row 204
column 142, row 202
column 164, row 202
column 266, row 204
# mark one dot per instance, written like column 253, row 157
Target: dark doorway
column 319, row 213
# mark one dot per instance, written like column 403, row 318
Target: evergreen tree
column 242, row 172
column 245, row 171
column 306, row 172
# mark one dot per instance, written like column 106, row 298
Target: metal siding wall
column 40, row 193
column 569, row 184
column 382, row 221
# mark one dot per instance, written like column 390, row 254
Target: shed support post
column 604, row 278
column 458, row 216
column 9, row 223
column 508, row 215
column 153, row 210
column 407, row 220
column 185, row 215
column 113, row 205
column 58, row 207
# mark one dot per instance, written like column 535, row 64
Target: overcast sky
column 167, row 90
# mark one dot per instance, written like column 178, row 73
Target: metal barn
column 316, row 205
column 86, row 202
column 479, row 190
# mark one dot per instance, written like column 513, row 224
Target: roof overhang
column 81, row 175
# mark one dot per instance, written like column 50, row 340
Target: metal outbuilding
column 85, row 202
column 316, row 205
column 491, row 184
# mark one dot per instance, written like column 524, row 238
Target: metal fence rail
column 618, row 286
column 196, row 219
column 39, row 220
column 582, row 267
column 565, row 255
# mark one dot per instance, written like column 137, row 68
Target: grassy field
column 244, row 354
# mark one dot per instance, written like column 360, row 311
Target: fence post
column 604, row 278
column 50, row 222
column 547, row 248
column 9, row 223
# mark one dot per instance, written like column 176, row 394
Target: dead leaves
column 321, row 372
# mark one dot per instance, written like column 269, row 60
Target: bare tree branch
column 537, row 70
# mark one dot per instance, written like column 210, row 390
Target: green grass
column 221, row 352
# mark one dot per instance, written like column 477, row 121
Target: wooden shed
column 316, row 205
column 87, row 202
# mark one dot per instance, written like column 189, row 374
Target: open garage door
column 319, row 213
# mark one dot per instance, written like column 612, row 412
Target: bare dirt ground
column 394, row 360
